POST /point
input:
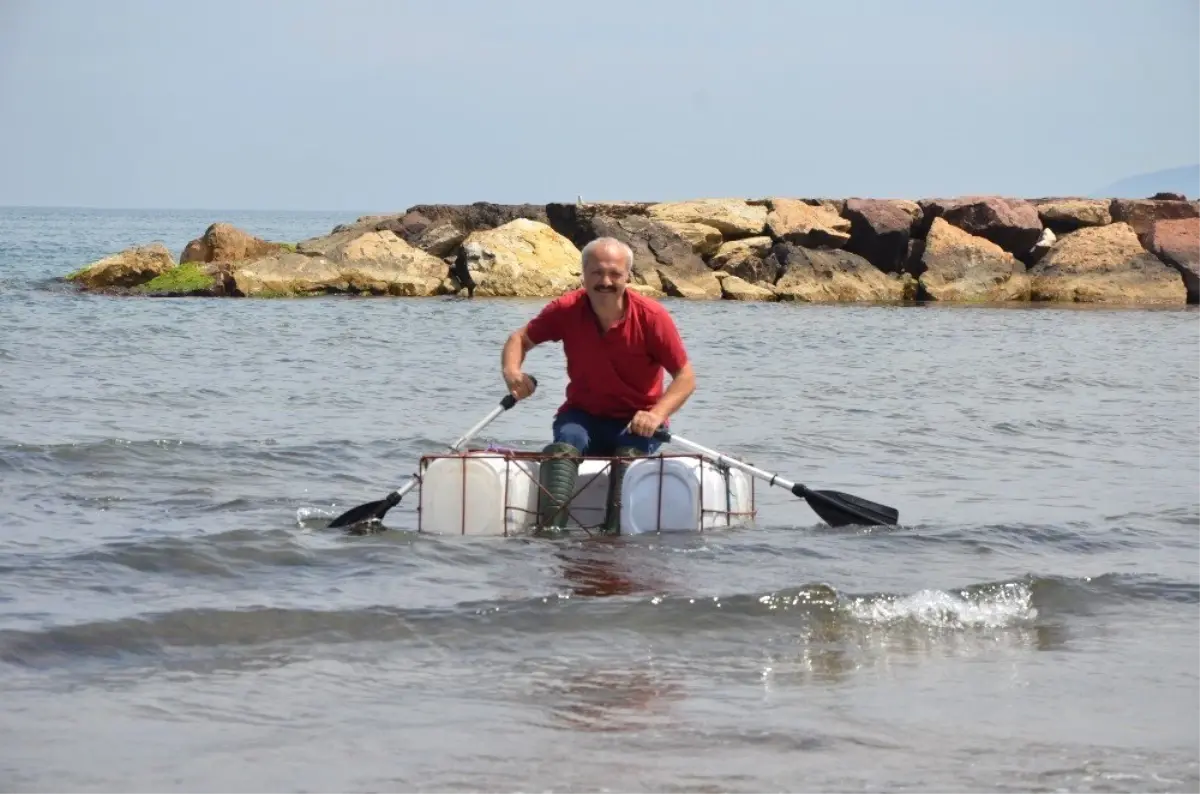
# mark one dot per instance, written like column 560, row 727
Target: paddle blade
column 842, row 509
column 371, row 511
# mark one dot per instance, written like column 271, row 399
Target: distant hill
column 1185, row 180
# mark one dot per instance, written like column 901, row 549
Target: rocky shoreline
column 966, row 249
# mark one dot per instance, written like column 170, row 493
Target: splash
column 314, row 517
column 995, row 607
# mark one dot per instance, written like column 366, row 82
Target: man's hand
column 644, row 423
column 519, row 384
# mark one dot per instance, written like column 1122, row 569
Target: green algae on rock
column 189, row 278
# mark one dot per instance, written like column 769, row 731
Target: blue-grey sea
column 175, row 616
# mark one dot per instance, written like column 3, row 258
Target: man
column 617, row 344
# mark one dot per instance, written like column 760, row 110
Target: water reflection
column 606, row 567
column 611, row 699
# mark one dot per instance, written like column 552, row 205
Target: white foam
column 306, row 515
column 1009, row 605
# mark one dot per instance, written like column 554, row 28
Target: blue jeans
column 598, row 435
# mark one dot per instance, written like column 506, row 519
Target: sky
column 376, row 106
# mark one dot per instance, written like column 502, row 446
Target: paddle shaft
column 772, row 479
column 835, row 507
column 507, row 403
column 374, row 511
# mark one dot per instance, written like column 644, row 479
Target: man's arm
column 683, row 383
column 666, row 347
column 511, row 359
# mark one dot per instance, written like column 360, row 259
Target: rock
column 734, row 218
column 963, row 267
column 659, row 250
column 287, row 274
column 522, row 258
column 1068, row 214
column 810, row 225
column 223, row 242
column 379, row 262
column 356, row 260
column 436, row 238
column 910, row 208
column 127, row 268
column 704, row 239
column 439, row 229
column 1165, row 196
column 1105, row 264
column 738, row 289
column 746, row 259
column 480, row 215
column 384, row 247
column 836, row 206
column 575, row 221
column 362, row 221
column 647, row 290
column 678, row 287
column 1177, row 242
column 879, row 231
column 191, row 279
column 830, row 275
column 1141, row 214
column 1012, row 224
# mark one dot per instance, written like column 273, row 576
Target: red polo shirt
column 615, row 373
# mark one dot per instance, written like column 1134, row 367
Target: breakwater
column 977, row 249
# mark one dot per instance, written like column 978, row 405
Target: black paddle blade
column 371, row 511
column 842, row 509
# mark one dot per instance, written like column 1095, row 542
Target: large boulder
column 438, row 229
column 662, row 258
column 738, row 289
column 732, row 217
column 817, row 275
column 522, row 258
column 1105, row 264
column 379, row 262
column 1064, row 215
column 959, row 266
column 746, row 259
column 1141, row 214
column 355, row 260
column 128, row 268
column 288, row 274
column 223, row 242
column 1012, row 224
column 704, row 239
column 575, row 220
column 809, row 225
column 1177, row 242
column 880, row 230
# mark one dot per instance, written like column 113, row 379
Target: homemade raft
column 495, row 492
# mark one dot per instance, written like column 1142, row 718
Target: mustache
column 605, row 289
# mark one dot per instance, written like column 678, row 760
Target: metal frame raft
column 511, row 456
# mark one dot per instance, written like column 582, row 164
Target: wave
column 993, row 606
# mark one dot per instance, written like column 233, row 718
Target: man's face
column 604, row 273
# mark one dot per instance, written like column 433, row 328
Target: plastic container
column 496, row 493
column 683, row 494
column 478, row 493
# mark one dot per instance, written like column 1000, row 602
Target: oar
column 374, row 511
column 836, row 508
